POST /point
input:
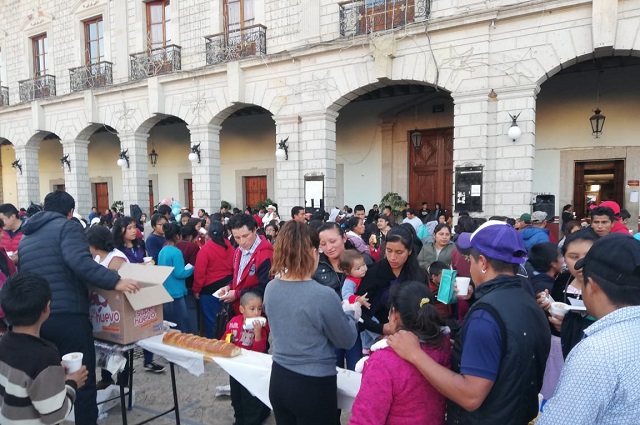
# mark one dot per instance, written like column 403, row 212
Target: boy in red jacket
column 251, row 335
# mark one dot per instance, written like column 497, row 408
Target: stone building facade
column 344, row 83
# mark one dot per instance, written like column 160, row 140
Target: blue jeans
column 176, row 311
column 351, row 356
column 210, row 306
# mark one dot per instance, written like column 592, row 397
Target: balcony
column 162, row 60
column 368, row 16
column 91, row 76
column 4, row 96
column 41, row 87
column 236, row 44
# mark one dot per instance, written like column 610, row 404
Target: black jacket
column 327, row 276
column 513, row 399
column 376, row 284
column 56, row 249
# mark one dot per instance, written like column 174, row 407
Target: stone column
column 289, row 181
column 318, row 151
column 135, row 177
column 481, row 122
column 206, row 174
column 29, row 179
column 76, row 177
column 515, row 160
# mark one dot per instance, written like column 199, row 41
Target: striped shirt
column 246, row 256
column 32, row 382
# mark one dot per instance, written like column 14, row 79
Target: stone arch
column 92, row 128
column 41, row 135
column 554, row 68
column 225, row 113
column 149, row 123
column 345, row 98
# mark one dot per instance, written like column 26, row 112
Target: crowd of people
column 347, row 288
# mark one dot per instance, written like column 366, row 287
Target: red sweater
column 246, row 339
column 213, row 263
column 9, row 243
column 256, row 273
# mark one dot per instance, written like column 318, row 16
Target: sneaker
column 154, row 367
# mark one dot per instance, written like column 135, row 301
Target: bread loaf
column 205, row 346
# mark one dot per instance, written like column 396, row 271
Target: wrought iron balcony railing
column 4, row 96
column 162, row 60
column 236, row 44
column 91, row 76
column 368, row 16
column 40, row 87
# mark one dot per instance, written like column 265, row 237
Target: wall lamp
column 65, row 161
column 416, row 139
column 123, row 158
column 153, row 157
column 514, row 131
column 195, row 153
column 282, row 152
column 16, row 165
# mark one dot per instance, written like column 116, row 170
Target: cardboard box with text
column 125, row 318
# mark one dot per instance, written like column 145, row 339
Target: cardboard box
column 125, row 318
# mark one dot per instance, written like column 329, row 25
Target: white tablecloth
column 251, row 369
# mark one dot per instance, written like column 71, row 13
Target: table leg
column 130, row 361
column 175, row 394
column 123, row 408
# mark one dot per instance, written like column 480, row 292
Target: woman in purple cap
column 500, row 354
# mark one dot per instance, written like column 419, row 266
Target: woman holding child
column 307, row 325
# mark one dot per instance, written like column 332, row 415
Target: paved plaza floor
column 196, row 397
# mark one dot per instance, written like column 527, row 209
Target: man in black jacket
column 54, row 247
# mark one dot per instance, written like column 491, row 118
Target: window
column 40, row 55
column 158, row 24
column 238, row 14
column 94, row 41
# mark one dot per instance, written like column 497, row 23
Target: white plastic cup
column 147, row 260
column 72, row 362
column 558, row 308
column 463, row 285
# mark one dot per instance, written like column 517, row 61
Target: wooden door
column 188, row 185
column 609, row 175
column 255, row 190
column 431, row 169
column 152, row 203
column 61, row 187
column 102, row 197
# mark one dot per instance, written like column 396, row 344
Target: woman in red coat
column 213, row 270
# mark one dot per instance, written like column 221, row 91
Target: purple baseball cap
column 495, row 239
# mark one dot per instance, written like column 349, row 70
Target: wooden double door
column 431, row 169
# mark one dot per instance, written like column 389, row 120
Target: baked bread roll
column 205, row 346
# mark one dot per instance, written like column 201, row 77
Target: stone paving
column 198, row 406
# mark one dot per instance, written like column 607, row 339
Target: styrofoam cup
column 558, row 308
column 147, row 260
column 72, row 362
column 463, row 285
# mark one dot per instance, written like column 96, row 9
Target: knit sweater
column 32, row 382
column 213, row 264
column 175, row 283
column 394, row 392
column 307, row 325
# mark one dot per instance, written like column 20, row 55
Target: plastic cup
column 463, row 285
column 558, row 308
column 147, row 260
column 72, row 362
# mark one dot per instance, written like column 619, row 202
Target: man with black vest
column 500, row 355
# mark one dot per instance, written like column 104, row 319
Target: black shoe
column 154, row 367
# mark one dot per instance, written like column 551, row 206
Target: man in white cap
column 269, row 215
column 536, row 233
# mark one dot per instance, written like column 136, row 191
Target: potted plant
column 395, row 202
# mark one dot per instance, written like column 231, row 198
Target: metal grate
column 369, row 16
column 40, row 87
column 236, row 44
column 91, row 76
column 162, row 60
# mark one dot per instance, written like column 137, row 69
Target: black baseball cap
column 615, row 258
